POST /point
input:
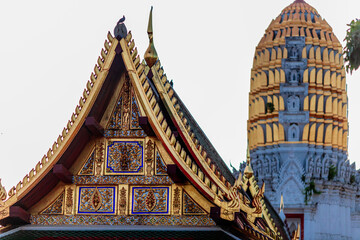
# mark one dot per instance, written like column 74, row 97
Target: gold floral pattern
column 161, row 168
column 150, row 200
column 122, row 201
column 149, row 158
column 124, row 157
column 176, row 201
column 69, row 200
column 55, row 207
column 96, row 200
column 190, row 207
column 88, row 168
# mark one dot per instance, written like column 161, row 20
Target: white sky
column 48, row 50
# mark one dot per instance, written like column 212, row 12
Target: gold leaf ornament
column 96, row 199
column 150, row 201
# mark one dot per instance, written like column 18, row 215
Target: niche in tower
column 293, row 53
column 294, row 77
column 293, row 103
column 293, row 132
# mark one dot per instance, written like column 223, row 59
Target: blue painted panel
column 150, row 200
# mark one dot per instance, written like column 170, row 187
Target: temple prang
column 298, row 126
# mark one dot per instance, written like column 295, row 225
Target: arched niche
column 293, row 133
column 294, row 77
column 293, row 103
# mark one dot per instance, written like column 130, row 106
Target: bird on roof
column 120, row 30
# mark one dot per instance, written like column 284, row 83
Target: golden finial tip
column 248, row 172
column 150, row 54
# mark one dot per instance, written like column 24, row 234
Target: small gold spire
column 282, row 203
column 248, row 172
column 150, row 54
column 297, row 233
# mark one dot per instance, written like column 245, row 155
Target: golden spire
column 248, row 172
column 297, row 233
column 282, row 203
column 150, row 55
column 281, row 211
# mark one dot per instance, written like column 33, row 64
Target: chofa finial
column 3, row 194
column 120, row 30
column 150, row 55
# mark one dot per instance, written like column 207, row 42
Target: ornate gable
column 132, row 155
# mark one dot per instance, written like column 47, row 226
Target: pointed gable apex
column 111, row 166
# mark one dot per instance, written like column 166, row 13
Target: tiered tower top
column 298, row 86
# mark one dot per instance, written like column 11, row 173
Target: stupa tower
column 298, row 126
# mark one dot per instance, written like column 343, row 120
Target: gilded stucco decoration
column 190, row 206
column 99, row 200
column 163, row 220
column 135, row 114
column 56, row 207
column 176, row 200
column 122, row 201
column 69, row 200
column 161, row 168
column 124, row 157
column 124, row 121
column 88, row 168
column 126, row 106
column 150, row 200
column 99, row 159
column 149, row 158
column 153, row 180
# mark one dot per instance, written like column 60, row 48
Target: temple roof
column 119, row 78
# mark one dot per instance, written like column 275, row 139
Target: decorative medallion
column 190, row 207
column 150, row 200
column 161, row 168
column 149, row 158
column 55, row 207
column 122, row 201
column 4, row 212
column 88, row 168
column 176, row 201
column 100, row 200
column 124, row 157
column 96, row 199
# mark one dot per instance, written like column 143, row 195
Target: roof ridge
column 176, row 102
column 68, row 131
